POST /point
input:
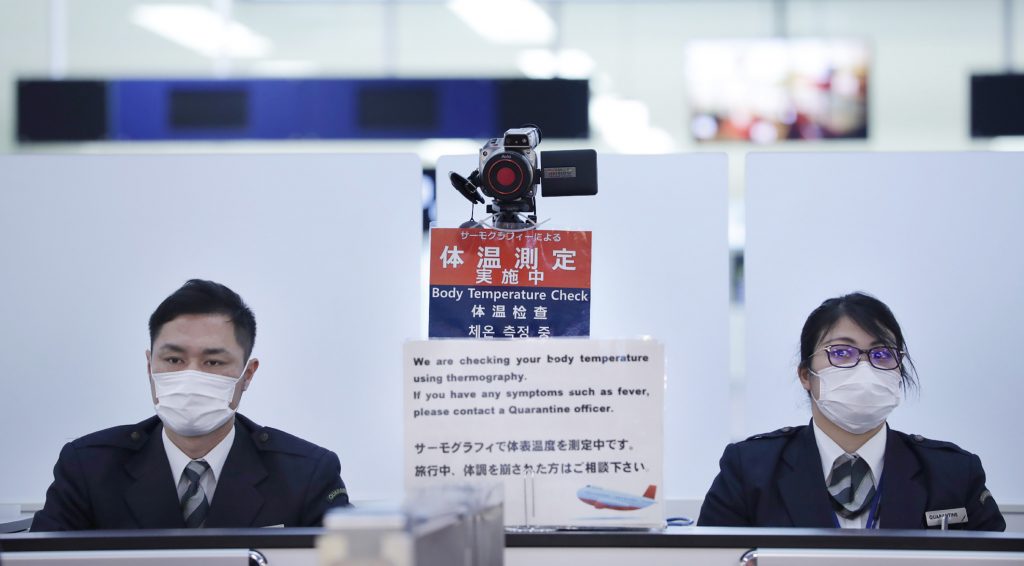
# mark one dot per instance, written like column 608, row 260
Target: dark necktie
column 850, row 486
column 194, row 505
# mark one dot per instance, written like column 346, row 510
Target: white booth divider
column 661, row 269
column 937, row 236
column 324, row 248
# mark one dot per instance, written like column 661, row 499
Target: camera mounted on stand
column 510, row 175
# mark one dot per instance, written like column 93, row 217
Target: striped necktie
column 194, row 505
column 850, row 485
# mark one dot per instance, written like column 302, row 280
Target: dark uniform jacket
column 775, row 480
column 119, row 478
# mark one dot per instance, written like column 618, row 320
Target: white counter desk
column 676, row 546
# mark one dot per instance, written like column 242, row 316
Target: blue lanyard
column 872, row 514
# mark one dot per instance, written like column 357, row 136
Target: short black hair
column 869, row 313
column 197, row 296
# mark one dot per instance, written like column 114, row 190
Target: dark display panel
column 55, row 111
column 997, row 105
column 399, row 107
column 209, row 108
column 561, row 107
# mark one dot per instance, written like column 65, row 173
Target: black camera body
column 509, row 174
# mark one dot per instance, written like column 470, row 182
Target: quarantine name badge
column 957, row 515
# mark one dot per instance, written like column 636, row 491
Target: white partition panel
column 324, row 248
column 937, row 236
column 660, row 268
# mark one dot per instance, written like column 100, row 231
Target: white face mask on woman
column 193, row 403
column 857, row 399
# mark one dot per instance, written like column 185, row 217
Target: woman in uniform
column 847, row 468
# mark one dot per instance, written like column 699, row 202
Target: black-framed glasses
column 846, row 356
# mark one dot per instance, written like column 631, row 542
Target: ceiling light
column 517, row 22
column 202, row 30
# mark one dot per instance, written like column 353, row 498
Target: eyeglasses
column 845, row 356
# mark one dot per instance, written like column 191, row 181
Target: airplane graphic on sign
column 601, row 498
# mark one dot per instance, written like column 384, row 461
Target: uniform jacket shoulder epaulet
column 917, row 440
column 130, row 436
column 783, row 432
column 274, row 440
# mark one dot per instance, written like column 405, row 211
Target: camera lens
column 507, row 176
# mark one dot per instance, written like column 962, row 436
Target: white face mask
column 857, row 399
column 193, row 403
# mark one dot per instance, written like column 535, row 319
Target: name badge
column 957, row 515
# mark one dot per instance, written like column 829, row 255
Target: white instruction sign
column 571, row 427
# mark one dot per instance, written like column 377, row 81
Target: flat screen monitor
column 997, row 105
column 209, row 108
column 769, row 90
column 398, row 107
column 559, row 106
column 58, row 111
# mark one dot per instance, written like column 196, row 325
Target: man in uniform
column 196, row 463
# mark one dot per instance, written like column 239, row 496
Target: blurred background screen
column 209, row 108
column 768, row 90
column 997, row 105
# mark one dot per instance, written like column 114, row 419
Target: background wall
column 923, row 52
column 92, row 245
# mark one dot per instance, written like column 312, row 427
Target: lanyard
column 873, row 513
